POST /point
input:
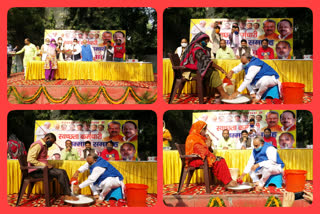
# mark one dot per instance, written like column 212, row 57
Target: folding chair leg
column 190, row 173
column 206, row 178
column 200, row 90
column 181, row 88
column 22, row 191
column 30, row 189
column 46, row 192
column 182, row 179
column 175, row 88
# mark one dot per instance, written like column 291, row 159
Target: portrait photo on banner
column 84, row 55
column 238, row 55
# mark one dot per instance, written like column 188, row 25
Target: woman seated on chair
column 199, row 143
column 197, row 57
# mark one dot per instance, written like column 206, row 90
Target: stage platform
column 37, row 200
column 193, row 99
column 196, row 196
column 20, row 91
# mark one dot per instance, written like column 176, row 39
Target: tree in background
column 176, row 23
column 22, row 124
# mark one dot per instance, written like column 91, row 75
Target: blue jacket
column 262, row 155
column 266, row 70
column 109, row 172
column 86, row 53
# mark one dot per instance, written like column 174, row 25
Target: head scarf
column 195, row 137
column 53, row 45
column 196, row 39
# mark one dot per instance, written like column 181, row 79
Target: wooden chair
column 190, row 170
column 179, row 81
column 27, row 180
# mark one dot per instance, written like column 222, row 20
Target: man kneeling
column 102, row 179
column 259, row 77
column 264, row 161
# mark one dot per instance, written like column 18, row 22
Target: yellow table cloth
column 117, row 71
column 289, row 70
column 141, row 172
column 293, row 159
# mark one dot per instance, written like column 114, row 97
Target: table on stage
column 116, row 71
column 141, row 172
column 293, row 159
column 289, row 70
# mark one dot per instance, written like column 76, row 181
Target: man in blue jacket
column 102, row 179
column 259, row 76
column 264, row 161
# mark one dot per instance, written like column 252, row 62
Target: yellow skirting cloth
column 289, row 70
column 117, row 71
column 132, row 172
column 293, row 158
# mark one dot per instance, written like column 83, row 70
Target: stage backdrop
column 247, row 31
column 95, row 38
column 96, row 132
column 235, row 122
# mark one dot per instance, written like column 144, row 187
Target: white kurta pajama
column 268, row 167
column 105, row 186
column 262, row 84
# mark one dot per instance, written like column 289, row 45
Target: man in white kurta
column 76, row 51
column 102, row 179
column 44, row 49
column 259, row 76
column 264, row 161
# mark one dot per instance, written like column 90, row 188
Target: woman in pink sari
column 51, row 63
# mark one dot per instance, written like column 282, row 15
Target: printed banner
column 279, row 32
column 281, row 122
column 98, row 132
column 96, row 38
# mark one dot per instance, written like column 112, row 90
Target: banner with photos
column 97, row 132
column 279, row 32
column 281, row 122
column 96, row 38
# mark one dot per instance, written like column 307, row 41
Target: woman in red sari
column 200, row 144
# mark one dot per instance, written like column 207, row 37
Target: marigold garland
column 273, row 202
column 216, row 202
column 79, row 97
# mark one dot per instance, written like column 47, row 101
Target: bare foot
column 71, row 198
column 259, row 188
column 255, row 101
column 99, row 201
column 256, row 183
column 232, row 184
column 226, row 96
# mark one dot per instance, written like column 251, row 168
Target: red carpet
column 58, row 89
column 193, row 99
column 39, row 201
column 199, row 189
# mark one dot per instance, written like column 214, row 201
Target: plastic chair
column 179, row 81
column 188, row 170
column 27, row 180
column 275, row 179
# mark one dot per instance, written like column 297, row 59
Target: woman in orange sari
column 199, row 143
